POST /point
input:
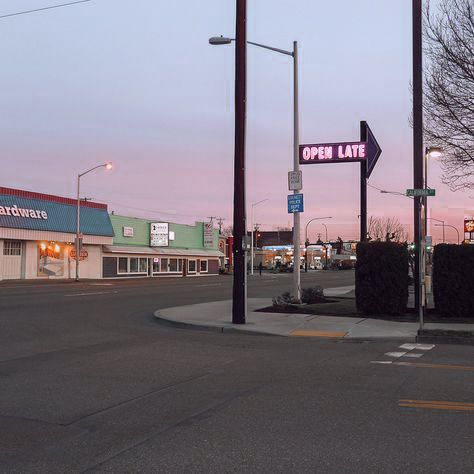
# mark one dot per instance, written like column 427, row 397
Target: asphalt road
column 89, row 382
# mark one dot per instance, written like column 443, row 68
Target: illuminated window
column 203, row 266
column 12, row 247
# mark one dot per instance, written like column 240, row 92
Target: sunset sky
column 137, row 83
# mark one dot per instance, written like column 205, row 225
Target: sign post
column 366, row 151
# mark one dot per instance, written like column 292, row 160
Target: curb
column 209, row 328
column 233, row 330
column 434, row 336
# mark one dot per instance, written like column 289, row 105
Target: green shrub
column 312, row 295
column 381, row 278
column 453, row 280
column 285, row 299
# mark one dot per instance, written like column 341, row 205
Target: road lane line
column 425, row 366
column 437, row 402
column 395, row 354
column 451, row 406
column 94, row 293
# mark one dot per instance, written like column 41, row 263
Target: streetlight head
column 434, row 152
column 218, row 40
column 108, row 166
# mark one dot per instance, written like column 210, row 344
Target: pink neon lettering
column 306, row 153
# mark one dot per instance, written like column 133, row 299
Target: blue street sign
column 295, row 203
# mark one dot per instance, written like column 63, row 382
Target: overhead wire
column 43, row 8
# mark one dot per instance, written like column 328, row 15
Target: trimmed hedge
column 453, row 280
column 381, row 278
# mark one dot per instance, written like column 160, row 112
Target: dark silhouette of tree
column 449, row 88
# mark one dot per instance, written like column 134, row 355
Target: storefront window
column 12, row 247
column 180, row 265
column 173, row 264
column 156, row 265
column 192, row 266
column 133, row 265
column 143, row 265
column 50, row 259
column 203, row 266
column 123, row 265
column 164, row 265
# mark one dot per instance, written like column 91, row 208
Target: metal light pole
column 306, row 238
column 448, row 225
column 441, row 222
column 326, row 227
column 107, row 166
column 251, row 232
column 219, row 40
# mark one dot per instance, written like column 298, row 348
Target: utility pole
column 239, row 289
column 418, row 153
column 220, row 220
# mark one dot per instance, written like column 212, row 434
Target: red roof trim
column 49, row 197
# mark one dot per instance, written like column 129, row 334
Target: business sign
column 83, row 254
column 421, row 192
column 128, row 231
column 295, row 203
column 16, row 211
column 295, row 180
column 208, row 235
column 342, row 152
column 159, row 234
column 468, row 225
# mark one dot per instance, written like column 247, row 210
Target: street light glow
column 434, row 152
column 108, row 166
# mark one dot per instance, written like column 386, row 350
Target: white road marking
column 413, row 355
column 395, row 354
column 100, row 284
column 422, row 347
column 94, row 293
column 210, row 284
column 380, row 361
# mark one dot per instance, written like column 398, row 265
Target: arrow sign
column 343, row 152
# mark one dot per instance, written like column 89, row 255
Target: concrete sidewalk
column 216, row 316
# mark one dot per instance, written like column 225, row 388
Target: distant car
column 346, row 264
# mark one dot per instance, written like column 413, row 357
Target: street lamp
column 251, row 230
column 447, row 225
column 107, row 166
column 220, row 40
column 306, row 242
column 441, row 224
column 430, row 152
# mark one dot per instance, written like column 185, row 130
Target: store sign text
column 16, row 211
column 342, row 151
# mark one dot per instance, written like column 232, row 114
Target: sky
column 137, row 83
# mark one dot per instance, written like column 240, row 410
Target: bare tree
column 227, row 231
column 386, row 229
column 449, row 88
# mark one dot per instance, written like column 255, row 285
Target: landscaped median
column 217, row 316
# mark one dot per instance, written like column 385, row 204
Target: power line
column 44, row 8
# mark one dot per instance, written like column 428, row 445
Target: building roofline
column 49, row 197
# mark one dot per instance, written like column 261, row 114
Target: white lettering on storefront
column 16, row 211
